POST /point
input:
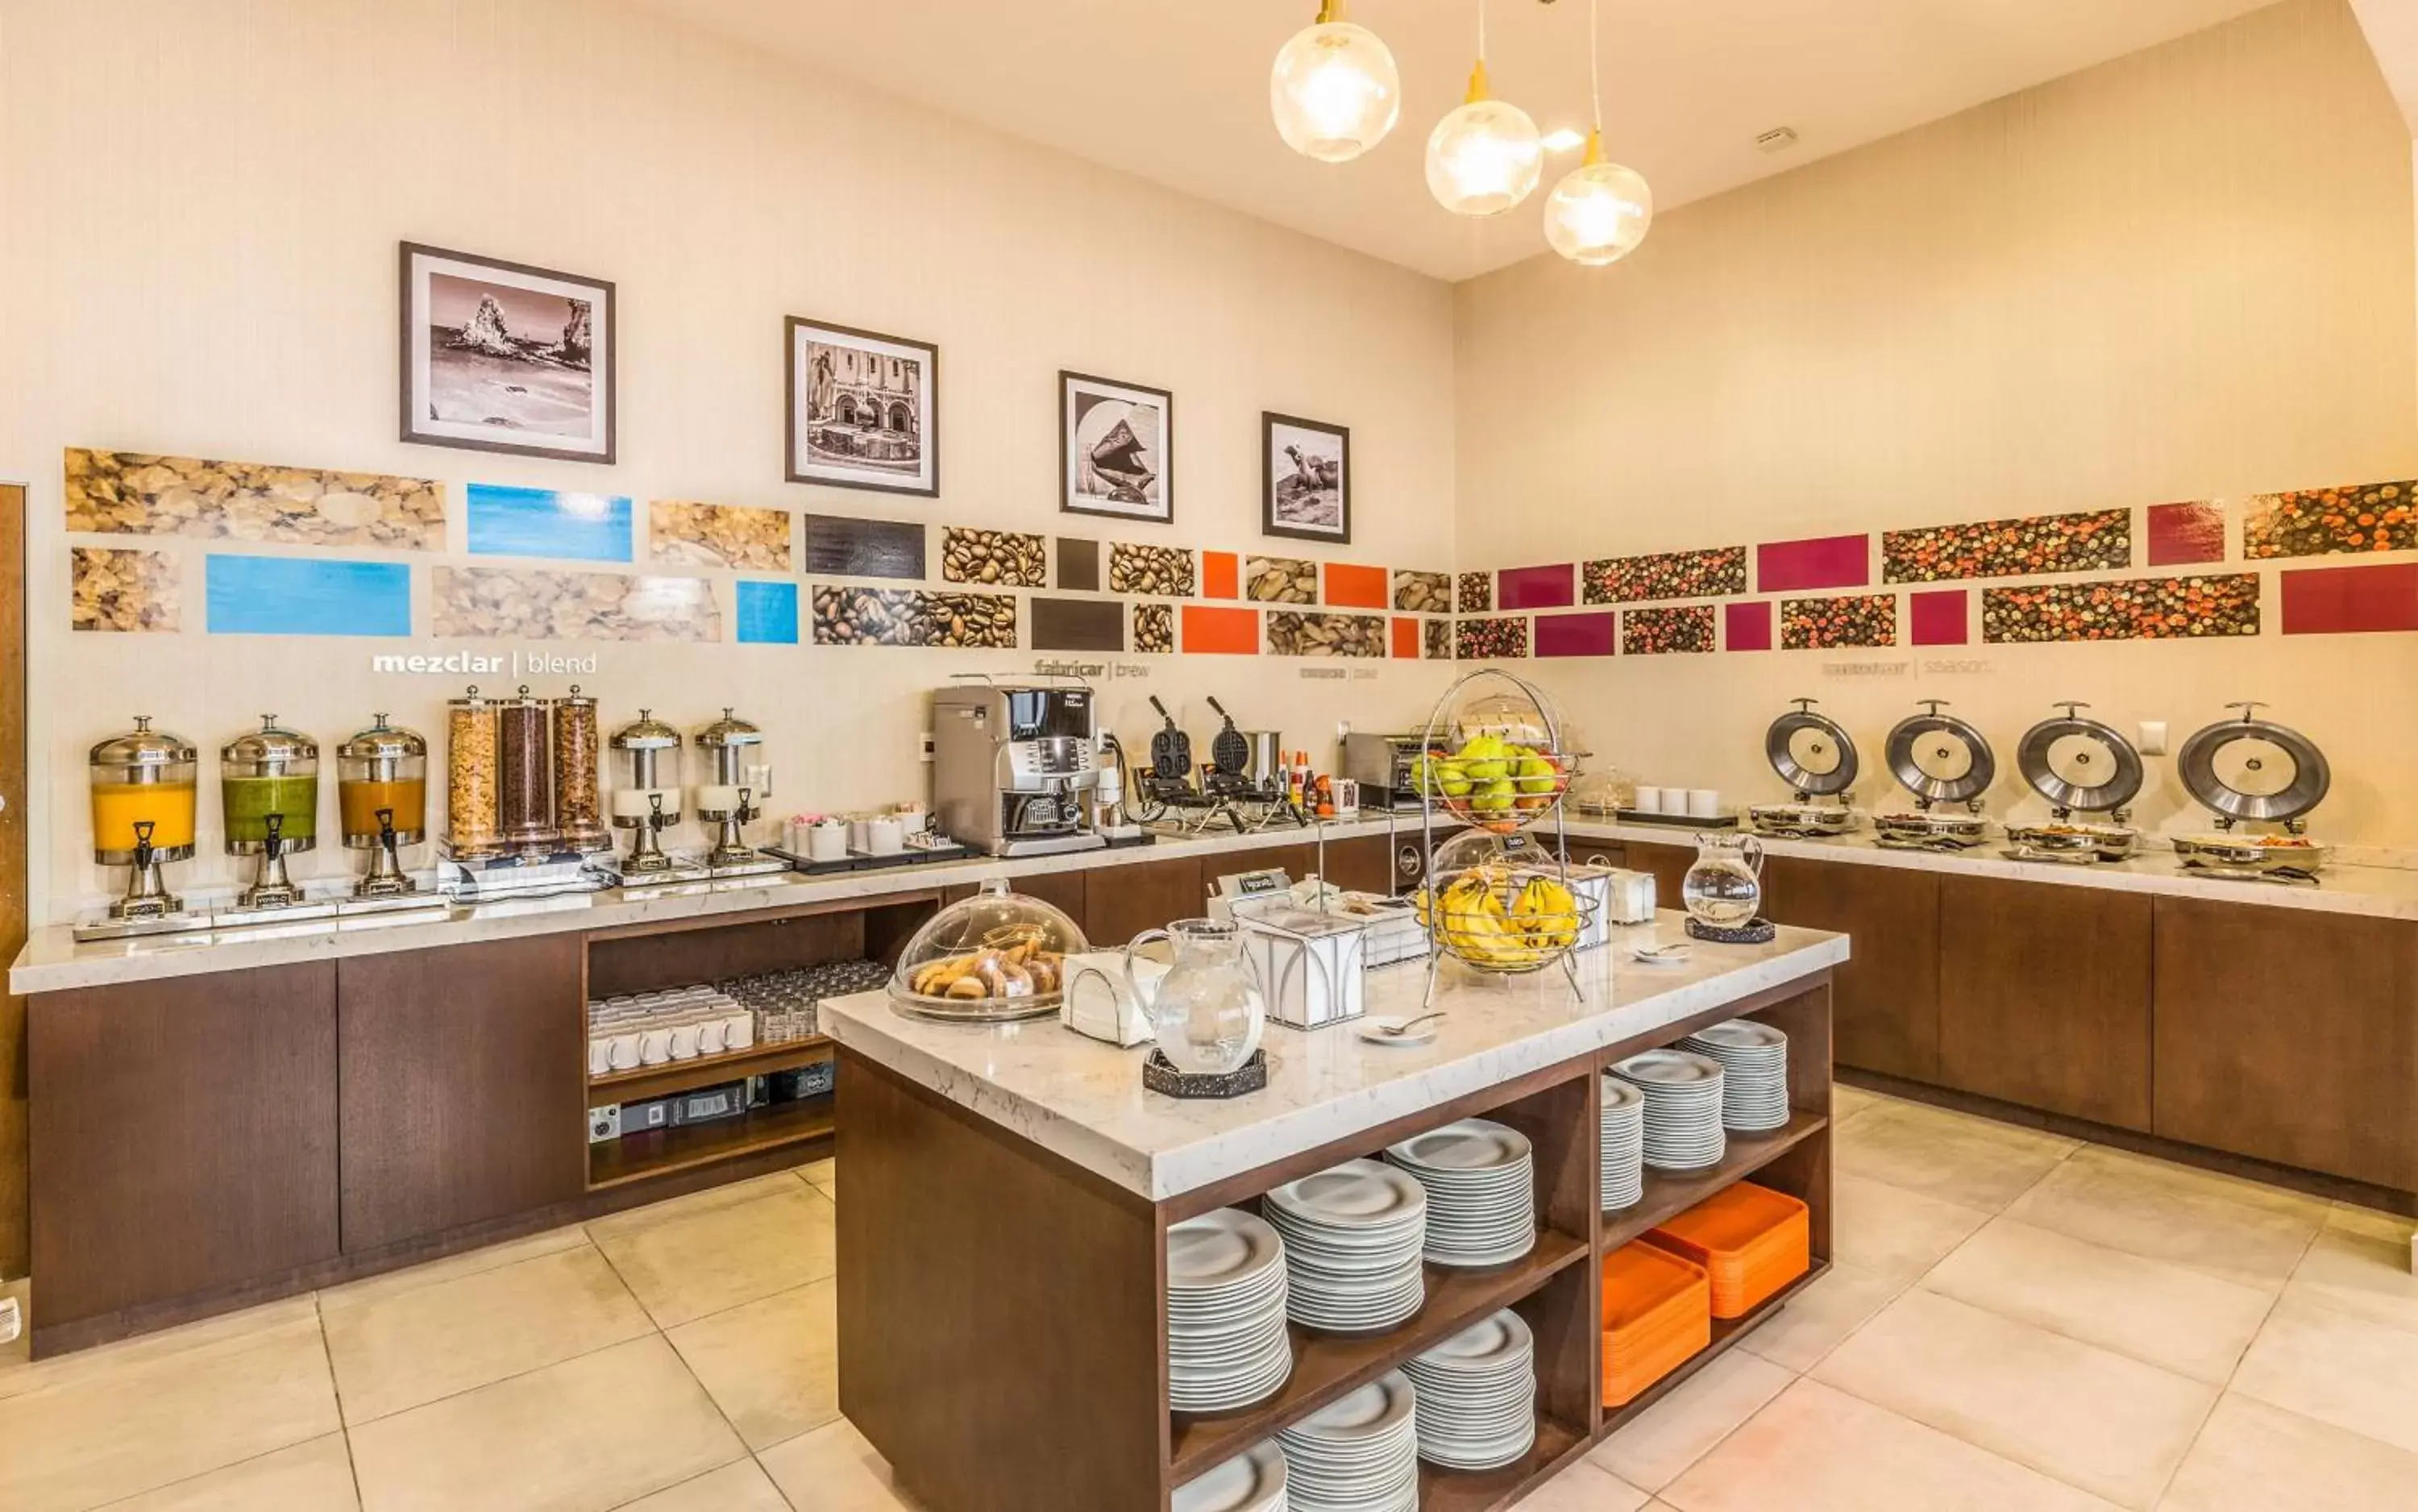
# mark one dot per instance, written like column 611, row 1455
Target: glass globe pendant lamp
column 1335, row 91
column 1485, row 157
column 1600, row 211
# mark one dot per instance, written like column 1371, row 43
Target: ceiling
column 1176, row 90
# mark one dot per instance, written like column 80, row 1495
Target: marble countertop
column 1083, row 1099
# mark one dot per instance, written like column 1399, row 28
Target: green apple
column 1536, row 774
column 1483, row 758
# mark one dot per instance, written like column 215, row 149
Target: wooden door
column 15, row 1252
column 2045, row 997
column 1143, row 894
column 1668, row 863
column 1064, row 890
column 1885, row 1001
column 1364, row 863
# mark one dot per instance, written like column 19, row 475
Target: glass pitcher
column 1207, row 1011
column 1724, row 890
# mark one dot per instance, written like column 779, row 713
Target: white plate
column 1358, row 1195
column 1472, row 1146
column 1743, row 1034
column 1484, row 1344
column 1220, row 1251
column 1655, row 1070
column 1252, row 1481
column 1373, row 1030
column 1376, row 1410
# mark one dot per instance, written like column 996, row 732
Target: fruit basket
column 1496, row 761
column 1504, row 919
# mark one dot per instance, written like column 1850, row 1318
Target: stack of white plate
column 1353, row 1235
column 1755, row 1072
column 1477, row 1395
column 1252, row 1481
column 1226, row 1340
column 1360, row 1455
column 1622, row 1137
column 1683, row 1107
column 1481, row 1183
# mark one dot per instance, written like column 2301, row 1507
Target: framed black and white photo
column 1116, row 448
column 503, row 357
column 864, row 409
column 1305, row 478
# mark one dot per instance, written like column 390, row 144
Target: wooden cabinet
column 465, row 1085
column 1065, row 891
column 1142, row 895
column 1669, row 865
column 1884, row 1000
column 183, row 1135
column 1364, row 863
column 2045, row 997
column 2289, row 1034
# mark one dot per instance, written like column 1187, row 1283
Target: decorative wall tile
column 1079, row 565
column 1220, row 632
column 1163, row 571
column 1864, row 620
column 138, row 493
column 2320, row 521
column 546, row 521
column 768, row 614
column 1153, row 629
column 305, row 596
column 1423, row 592
column 1746, row 627
column 2094, row 541
column 2328, row 600
column 1475, row 593
column 2182, row 534
column 1221, row 574
column 550, row 605
column 1940, row 617
column 1492, row 640
column 994, row 559
column 1356, row 587
column 911, row 617
column 1325, row 635
column 1281, row 580
column 1670, row 574
column 1406, row 639
column 718, row 535
column 1535, row 587
column 1655, row 632
column 1821, row 562
column 1078, row 625
column 842, row 545
column 122, row 591
column 1576, row 635
column 1438, row 637
column 2128, row 609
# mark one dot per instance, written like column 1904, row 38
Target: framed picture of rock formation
column 864, row 409
column 1116, row 448
column 503, row 357
column 1305, row 478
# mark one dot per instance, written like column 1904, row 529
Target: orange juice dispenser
column 382, row 803
column 143, row 814
column 268, row 790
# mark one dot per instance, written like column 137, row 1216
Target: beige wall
column 203, row 199
column 2186, row 274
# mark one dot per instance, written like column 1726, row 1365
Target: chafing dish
column 2079, row 765
column 2264, row 855
column 2253, row 771
column 1923, row 829
column 1941, row 760
column 2072, row 841
column 1816, row 758
column 1801, row 821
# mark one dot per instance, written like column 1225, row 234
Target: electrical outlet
column 1343, row 731
column 2152, row 739
column 924, row 753
column 12, row 1319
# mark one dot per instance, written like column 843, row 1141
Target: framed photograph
column 1116, row 448
column 1305, row 478
column 864, row 409
column 502, row 357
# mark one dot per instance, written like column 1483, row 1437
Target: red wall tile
column 1575, row 634
column 1356, row 587
column 1537, row 588
column 1221, row 574
column 1406, row 637
column 2323, row 601
column 1746, row 627
column 1939, row 618
column 1231, row 631
column 2184, row 533
column 1824, row 562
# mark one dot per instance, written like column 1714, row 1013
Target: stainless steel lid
column 576, row 699
column 1941, row 757
column 2078, row 763
column 382, row 741
column 729, row 730
column 142, row 746
column 1813, row 753
column 2254, row 769
column 645, row 733
column 523, row 700
column 269, row 748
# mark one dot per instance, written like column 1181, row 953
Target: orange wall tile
column 1231, row 632
column 1356, row 587
column 1221, row 574
column 1406, row 639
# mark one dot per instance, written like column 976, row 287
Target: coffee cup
column 1649, row 800
column 655, row 1045
column 684, row 1042
column 738, row 1030
column 627, row 1049
column 708, row 1035
column 1703, row 802
column 599, row 1055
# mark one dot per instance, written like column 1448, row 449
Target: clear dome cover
column 994, row 956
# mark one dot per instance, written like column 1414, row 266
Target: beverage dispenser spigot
column 142, row 789
column 382, row 802
column 642, row 803
column 269, row 787
column 729, row 802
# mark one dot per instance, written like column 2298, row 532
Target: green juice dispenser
column 268, row 790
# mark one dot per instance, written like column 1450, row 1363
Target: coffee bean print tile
column 1474, row 592
column 1658, row 632
column 908, row 617
column 993, row 559
column 2153, row 608
column 1153, row 629
column 2328, row 522
column 1492, row 640
column 1436, row 640
column 137, row 493
column 122, row 591
column 1669, row 574
column 1325, row 635
column 718, row 535
column 1280, row 580
column 1423, row 592
column 1163, row 572
column 2094, row 541
column 549, row 605
column 1859, row 620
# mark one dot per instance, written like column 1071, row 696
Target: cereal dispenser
column 579, row 818
column 642, row 803
column 729, row 800
column 143, row 814
column 473, row 807
column 525, row 767
column 382, row 802
column 268, row 789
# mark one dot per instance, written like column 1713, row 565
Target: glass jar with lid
column 143, row 777
column 269, row 787
column 996, row 955
column 473, row 796
column 578, row 761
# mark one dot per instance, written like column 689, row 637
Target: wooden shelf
column 1726, row 1333
column 1668, row 1193
column 704, row 1071
column 1327, row 1366
column 1482, row 1490
column 660, row 1151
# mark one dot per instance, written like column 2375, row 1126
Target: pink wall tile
column 1825, row 562
column 1537, row 588
column 2325, row 601
column 2184, row 533
column 1939, row 618
column 1746, row 627
column 1575, row 634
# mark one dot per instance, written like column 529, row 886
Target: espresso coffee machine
column 1013, row 766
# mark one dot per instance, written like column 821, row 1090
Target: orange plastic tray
column 1657, row 1312
column 1750, row 1241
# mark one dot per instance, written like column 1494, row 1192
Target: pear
column 1536, row 774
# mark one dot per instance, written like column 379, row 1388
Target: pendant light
column 1334, row 91
column 1600, row 211
column 1485, row 157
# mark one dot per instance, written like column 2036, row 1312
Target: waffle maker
column 1230, row 764
column 2080, row 766
column 2252, row 771
column 1943, row 761
column 1816, row 758
column 1168, row 781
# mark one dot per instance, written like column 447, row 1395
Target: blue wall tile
column 768, row 614
column 307, row 596
column 541, row 521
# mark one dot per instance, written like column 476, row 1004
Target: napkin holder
column 1100, row 1000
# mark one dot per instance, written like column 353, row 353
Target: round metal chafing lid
column 2117, row 787
column 268, row 746
column 382, row 741
column 645, row 733
column 142, row 746
column 2301, row 788
column 729, row 730
column 1946, row 741
column 1795, row 745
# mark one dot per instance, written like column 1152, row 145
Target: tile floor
column 2014, row 1322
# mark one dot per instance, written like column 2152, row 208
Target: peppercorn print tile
column 2092, row 541
column 1153, row 629
column 1837, row 624
column 1436, row 640
column 1670, row 574
column 546, row 606
column 1476, row 593
column 1165, row 571
column 2150, row 608
column 1325, row 635
column 1280, row 580
column 994, row 559
column 136, row 492
column 1655, row 631
column 122, row 591
column 718, row 535
column 1423, row 592
column 1492, row 640
column 909, row 616
column 2325, row 522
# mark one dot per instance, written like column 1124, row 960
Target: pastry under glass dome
column 992, row 957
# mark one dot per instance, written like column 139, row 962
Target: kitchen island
column 1002, row 1306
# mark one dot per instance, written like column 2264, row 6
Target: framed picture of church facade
column 864, row 409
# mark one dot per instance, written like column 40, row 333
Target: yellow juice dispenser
column 382, row 803
column 143, row 814
column 268, row 791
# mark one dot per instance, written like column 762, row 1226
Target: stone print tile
column 1325, row 635
column 1893, row 1233
column 739, row 1487
column 1859, row 620
column 451, row 1268
column 21, row 1373
column 1819, row 1318
column 133, row 492
column 1436, row 640
column 2167, row 1315
column 1584, row 1487
column 311, row 1476
column 1846, row 1102
column 1422, row 592
column 833, row 1470
column 490, row 602
column 1819, row 1450
column 112, row 591
column 1492, row 640
column 707, row 1199
column 1670, row 574
column 2087, row 1416
column 718, row 535
column 994, row 559
column 1474, row 592
column 1684, row 629
column 2097, row 540
column 1947, row 1155
column 772, row 1366
column 432, row 1342
column 2360, row 1263
column 1679, row 1430
column 597, row 1431
column 696, row 1263
column 2318, row 522
column 908, row 617
column 1281, row 580
column 2143, row 608
column 146, row 1420
column 2236, row 1229
column 2253, row 1458
column 2339, row 1367
column 816, row 1171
